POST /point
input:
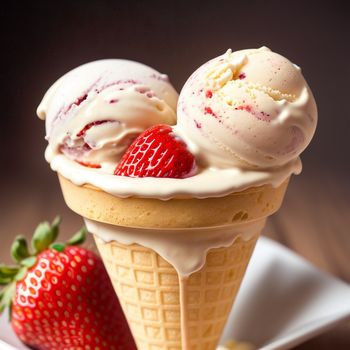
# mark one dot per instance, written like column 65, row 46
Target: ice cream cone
column 176, row 240
column 155, row 299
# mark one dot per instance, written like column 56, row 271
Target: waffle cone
column 149, row 288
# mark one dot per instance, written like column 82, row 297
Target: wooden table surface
column 314, row 222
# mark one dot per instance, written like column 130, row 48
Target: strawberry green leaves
column 28, row 262
column 43, row 238
column 79, row 237
column 7, row 273
column 6, row 296
column 19, row 249
column 45, row 234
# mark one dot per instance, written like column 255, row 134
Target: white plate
column 283, row 301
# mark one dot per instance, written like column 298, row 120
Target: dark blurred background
column 40, row 41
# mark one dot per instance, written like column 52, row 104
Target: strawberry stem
column 58, row 246
column 76, row 239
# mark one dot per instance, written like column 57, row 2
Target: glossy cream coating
column 248, row 109
column 184, row 249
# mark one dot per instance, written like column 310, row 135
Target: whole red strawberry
column 61, row 297
column 157, row 152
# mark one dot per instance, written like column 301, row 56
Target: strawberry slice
column 157, row 152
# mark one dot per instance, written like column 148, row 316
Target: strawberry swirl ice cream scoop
column 95, row 111
column 248, row 109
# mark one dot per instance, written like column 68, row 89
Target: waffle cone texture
column 148, row 290
column 148, row 287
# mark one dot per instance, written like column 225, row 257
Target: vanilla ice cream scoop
column 248, row 109
column 95, row 111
